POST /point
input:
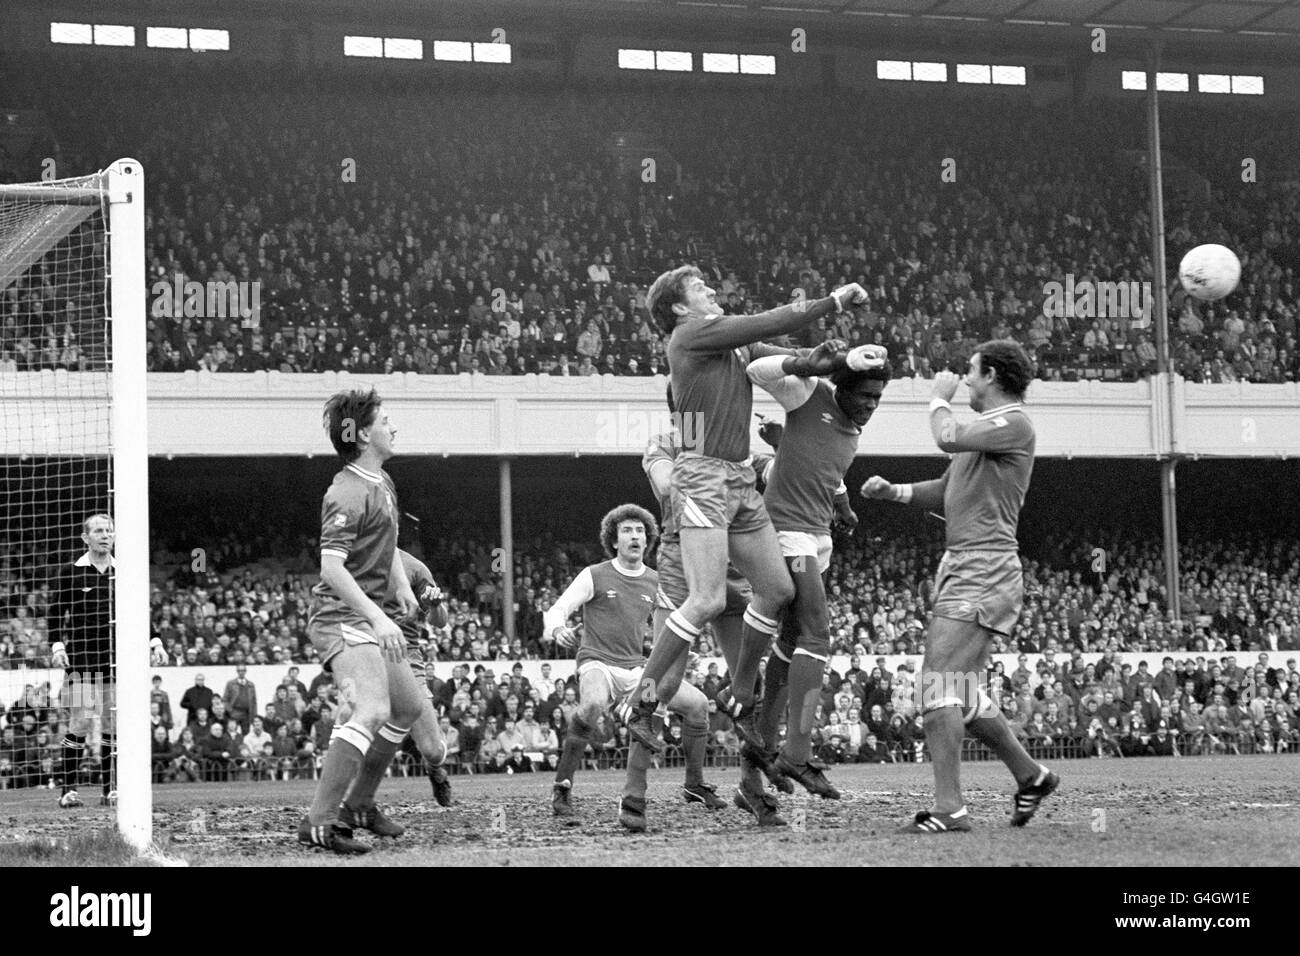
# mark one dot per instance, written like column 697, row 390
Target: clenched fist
column 877, row 487
column 849, row 295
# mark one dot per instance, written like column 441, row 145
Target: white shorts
column 796, row 543
column 621, row 681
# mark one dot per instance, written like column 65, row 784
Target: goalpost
column 73, row 428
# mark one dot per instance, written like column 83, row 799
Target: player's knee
column 587, row 719
column 782, row 591
column 372, row 716
column 433, row 752
column 405, row 713
column 694, row 711
column 708, row 605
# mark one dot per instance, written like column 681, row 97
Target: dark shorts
column 672, row 582
column 986, row 587
column 336, row 629
column 713, row 493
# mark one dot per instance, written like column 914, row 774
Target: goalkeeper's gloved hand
column 848, row 295
column 866, row 357
column 157, row 654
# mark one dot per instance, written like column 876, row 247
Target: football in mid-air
column 1209, row 272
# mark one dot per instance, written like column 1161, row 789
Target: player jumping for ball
column 617, row 599
column 657, row 463
column 357, row 641
column 719, row 510
column 979, row 586
column 823, row 425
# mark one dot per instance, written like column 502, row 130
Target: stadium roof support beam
column 1165, row 397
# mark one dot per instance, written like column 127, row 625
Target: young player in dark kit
column 357, row 640
column 979, row 586
column 720, row 512
column 657, row 463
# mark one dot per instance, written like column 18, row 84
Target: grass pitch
column 1141, row 812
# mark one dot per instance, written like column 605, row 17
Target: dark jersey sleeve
column 341, row 514
column 719, row 333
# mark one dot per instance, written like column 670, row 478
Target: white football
column 1209, row 272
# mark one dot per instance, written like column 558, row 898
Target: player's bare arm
column 921, row 494
column 406, row 600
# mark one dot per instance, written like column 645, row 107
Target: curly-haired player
column 617, row 599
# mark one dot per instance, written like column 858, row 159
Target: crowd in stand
column 1057, row 704
column 454, row 250
column 1239, row 595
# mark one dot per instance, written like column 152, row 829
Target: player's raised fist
column 849, row 295
column 877, row 487
column 945, row 385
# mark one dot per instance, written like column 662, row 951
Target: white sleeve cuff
column 904, row 493
column 937, row 403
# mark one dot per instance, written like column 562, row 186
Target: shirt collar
column 1002, row 409
column 368, row 475
column 84, row 561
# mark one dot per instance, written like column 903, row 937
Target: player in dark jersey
column 617, row 601
column 823, row 426
column 657, row 463
column 718, row 508
column 80, row 619
column 357, row 641
column 979, row 586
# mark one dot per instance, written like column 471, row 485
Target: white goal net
column 74, row 627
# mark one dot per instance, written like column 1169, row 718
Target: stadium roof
column 1169, row 20
column 1246, row 17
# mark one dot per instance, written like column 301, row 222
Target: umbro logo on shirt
column 828, row 418
column 611, row 594
column 340, row 520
